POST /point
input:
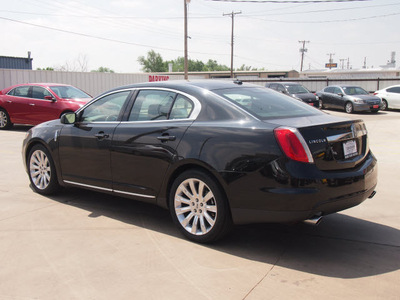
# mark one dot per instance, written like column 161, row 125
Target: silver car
column 349, row 98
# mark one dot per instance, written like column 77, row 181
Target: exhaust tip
column 372, row 194
column 313, row 221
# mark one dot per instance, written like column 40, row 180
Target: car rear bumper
column 289, row 198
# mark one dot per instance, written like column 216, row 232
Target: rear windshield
column 267, row 104
column 297, row 89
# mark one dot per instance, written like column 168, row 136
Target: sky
column 88, row 34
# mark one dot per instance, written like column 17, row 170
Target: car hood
column 305, row 96
column 363, row 97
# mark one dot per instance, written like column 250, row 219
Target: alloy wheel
column 195, row 206
column 40, row 169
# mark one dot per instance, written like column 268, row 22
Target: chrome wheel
column 40, row 169
column 4, row 120
column 195, row 206
column 349, row 107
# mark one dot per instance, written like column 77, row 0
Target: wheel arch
column 191, row 165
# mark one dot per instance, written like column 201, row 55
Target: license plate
column 376, row 106
column 350, row 149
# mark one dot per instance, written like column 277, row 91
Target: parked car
column 295, row 90
column 38, row 102
column 349, row 98
column 390, row 97
column 193, row 148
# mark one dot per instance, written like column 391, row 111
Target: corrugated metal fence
column 93, row 83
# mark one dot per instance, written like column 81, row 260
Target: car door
column 84, row 147
column 145, row 145
column 337, row 98
column 17, row 104
column 393, row 97
column 42, row 109
column 326, row 97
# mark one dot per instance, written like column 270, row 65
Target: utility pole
column 232, row 15
column 330, row 59
column 186, row 2
column 303, row 50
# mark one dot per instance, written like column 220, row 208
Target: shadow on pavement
column 341, row 246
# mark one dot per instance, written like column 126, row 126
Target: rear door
column 144, row 146
column 393, row 97
column 17, row 103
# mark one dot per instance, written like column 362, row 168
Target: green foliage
column 155, row 63
column 103, row 70
column 45, row 69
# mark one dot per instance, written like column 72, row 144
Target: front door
column 84, row 147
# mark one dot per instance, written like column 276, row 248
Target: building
column 21, row 63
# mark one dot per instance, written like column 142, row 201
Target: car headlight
column 357, row 100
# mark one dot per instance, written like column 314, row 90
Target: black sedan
column 349, row 98
column 297, row 91
column 213, row 153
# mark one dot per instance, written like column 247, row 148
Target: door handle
column 32, row 104
column 101, row 135
column 166, row 138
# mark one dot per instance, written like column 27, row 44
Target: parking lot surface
column 84, row 245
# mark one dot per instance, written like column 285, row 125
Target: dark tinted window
column 106, row 109
column 297, row 89
column 329, row 89
column 266, row 104
column 395, row 89
column 152, row 105
column 39, row 93
column 21, row 91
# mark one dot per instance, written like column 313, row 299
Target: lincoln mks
column 213, row 153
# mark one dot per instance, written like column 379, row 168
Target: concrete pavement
column 84, row 245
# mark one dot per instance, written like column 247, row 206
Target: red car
column 34, row 103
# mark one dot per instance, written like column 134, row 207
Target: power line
column 289, row 1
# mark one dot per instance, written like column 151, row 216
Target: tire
column 199, row 207
column 349, row 108
column 5, row 122
column 321, row 104
column 42, row 172
column 385, row 105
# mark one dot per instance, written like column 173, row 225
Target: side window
column 329, row 90
column 39, row 92
column 152, row 105
column 280, row 88
column 273, row 86
column 337, row 91
column 21, row 91
column 106, row 109
column 182, row 108
column 394, row 90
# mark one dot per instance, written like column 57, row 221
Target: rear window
column 267, row 104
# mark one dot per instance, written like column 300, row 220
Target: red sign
column 158, row 78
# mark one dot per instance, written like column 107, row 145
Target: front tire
column 199, row 208
column 349, row 108
column 5, row 122
column 42, row 172
column 384, row 105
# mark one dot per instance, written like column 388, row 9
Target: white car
column 390, row 97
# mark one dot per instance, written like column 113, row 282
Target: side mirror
column 340, row 94
column 50, row 98
column 68, row 118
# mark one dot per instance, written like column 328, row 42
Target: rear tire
column 42, row 172
column 199, row 207
column 5, row 122
column 349, row 108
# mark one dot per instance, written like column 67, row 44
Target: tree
column 45, row 69
column 153, row 62
column 103, row 70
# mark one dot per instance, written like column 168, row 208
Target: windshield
column 297, row 89
column 354, row 90
column 69, row 92
column 267, row 104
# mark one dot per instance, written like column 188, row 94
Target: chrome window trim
column 193, row 115
column 107, row 189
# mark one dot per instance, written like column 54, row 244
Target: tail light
column 293, row 144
